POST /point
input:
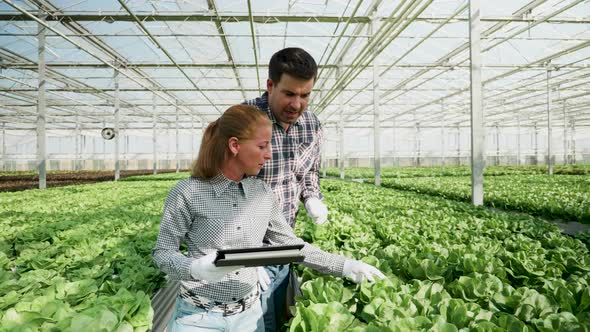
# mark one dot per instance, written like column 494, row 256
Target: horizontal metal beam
column 144, row 103
column 112, row 17
column 130, row 65
column 331, row 126
column 279, row 35
column 97, row 90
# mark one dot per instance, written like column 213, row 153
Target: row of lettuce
column 431, row 171
column 78, row 259
column 565, row 197
column 450, row 267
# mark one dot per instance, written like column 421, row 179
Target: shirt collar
column 266, row 108
column 220, row 183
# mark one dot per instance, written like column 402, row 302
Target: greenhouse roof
column 188, row 61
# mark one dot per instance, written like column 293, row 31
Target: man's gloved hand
column 204, row 268
column 357, row 271
column 317, row 210
column 263, row 278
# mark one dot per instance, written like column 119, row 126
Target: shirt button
column 237, row 272
column 235, row 205
column 239, row 228
column 234, row 298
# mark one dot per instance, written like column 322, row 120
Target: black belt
column 228, row 308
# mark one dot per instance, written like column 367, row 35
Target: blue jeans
column 187, row 317
column 275, row 296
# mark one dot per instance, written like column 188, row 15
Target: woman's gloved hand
column 317, row 210
column 204, row 269
column 263, row 278
column 358, row 271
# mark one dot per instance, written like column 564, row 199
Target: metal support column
column 477, row 133
column 564, row 135
column 341, row 141
column 497, row 139
column 458, row 145
column 518, row 139
column 418, row 145
column 117, row 165
column 415, row 149
column 154, row 136
column 168, row 157
column 104, row 147
column 126, row 149
column 536, row 143
column 573, row 140
column 323, row 148
column 376, row 110
column 4, row 157
column 393, row 145
column 549, row 136
column 77, row 158
column 177, row 143
column 83, row 148
column 41, row 107
column 442, row 133
column 340, row 126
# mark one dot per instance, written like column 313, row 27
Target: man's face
column 288, row 98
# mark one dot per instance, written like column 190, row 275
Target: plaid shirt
column 293, row 171
column 217, row 214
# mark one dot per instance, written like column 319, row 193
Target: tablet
column 260, row 256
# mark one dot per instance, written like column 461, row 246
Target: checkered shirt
column 293, row 171
column 218, row 213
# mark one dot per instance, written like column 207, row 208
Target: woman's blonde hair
column 240, row 121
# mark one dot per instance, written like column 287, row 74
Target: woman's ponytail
column 240, row 121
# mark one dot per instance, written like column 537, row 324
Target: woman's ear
column 234, row 145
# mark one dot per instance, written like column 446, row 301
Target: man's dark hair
column 293, row 61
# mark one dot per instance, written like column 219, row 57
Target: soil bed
column 19, row 182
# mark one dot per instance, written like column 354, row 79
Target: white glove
column 357, row 271
column 263, row 278
column 317, row 210
column 204, row 268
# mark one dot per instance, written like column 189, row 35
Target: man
column 293, row 171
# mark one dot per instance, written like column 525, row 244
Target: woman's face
column 254, row 152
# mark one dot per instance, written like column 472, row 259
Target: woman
column 222, row 206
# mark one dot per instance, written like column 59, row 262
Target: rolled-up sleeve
column 279, row 232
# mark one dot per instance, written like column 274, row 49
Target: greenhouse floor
column 24, row 181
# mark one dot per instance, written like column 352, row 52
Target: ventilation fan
column 108, row 133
